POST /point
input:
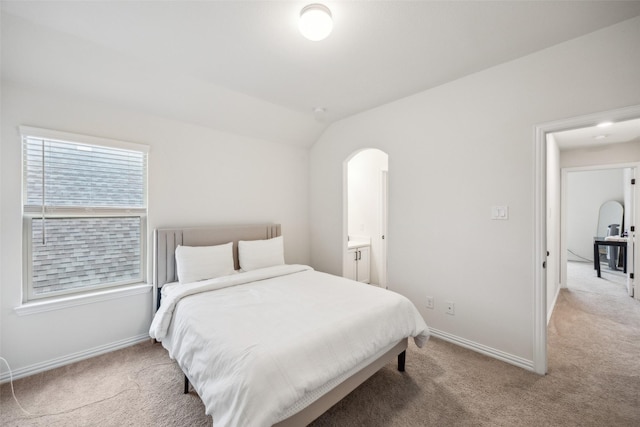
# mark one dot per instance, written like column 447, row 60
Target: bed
column 276, row 344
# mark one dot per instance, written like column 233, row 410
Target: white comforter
column 262, row 339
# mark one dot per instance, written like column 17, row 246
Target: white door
column 364, row 264
column 630, row 224
column 384, row 206
column 350, row 266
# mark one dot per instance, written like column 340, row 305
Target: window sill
column 35, row 307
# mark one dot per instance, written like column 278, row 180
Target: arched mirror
column 610, row 223
column 611, row 214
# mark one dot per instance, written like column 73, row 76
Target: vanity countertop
column 358, row 243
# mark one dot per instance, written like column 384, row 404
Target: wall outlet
column 451, row 308
column 429, row 302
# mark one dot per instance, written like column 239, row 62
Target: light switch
column 500, row 212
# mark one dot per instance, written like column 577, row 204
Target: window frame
column 32, row 212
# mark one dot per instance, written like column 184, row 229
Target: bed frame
column 166, row 240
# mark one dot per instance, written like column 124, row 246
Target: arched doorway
column 365, row 252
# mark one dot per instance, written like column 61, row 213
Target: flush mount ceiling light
column 315, row 22
column 604, row 124
column 319, row 113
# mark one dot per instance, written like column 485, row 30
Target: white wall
column 364, row 197
column 601, row 155
column 197, row 176
column 553, row 223
column 456, row 150
column 586, row 191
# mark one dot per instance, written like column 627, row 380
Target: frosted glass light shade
column 315, row 22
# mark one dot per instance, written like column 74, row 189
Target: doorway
column 366, row 199
column 547, row 250
column 597, row 203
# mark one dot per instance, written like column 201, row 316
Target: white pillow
column 196, row 263
column 254, row 254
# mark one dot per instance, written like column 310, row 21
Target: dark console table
column 622, row 244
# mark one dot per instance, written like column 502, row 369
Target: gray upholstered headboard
column 166, row 240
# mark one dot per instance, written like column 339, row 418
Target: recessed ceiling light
column 319, row 113
column 604, row 124
column 601, row 137
column 315, row 22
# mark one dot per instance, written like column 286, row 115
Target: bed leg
column 401, row 359
column 186, row 385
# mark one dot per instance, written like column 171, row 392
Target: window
column 84, row 212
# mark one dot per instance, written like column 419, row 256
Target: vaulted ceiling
column 243, row 66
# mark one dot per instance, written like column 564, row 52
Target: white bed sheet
column 254, row 343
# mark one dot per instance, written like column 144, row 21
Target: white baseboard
column 70, row 358
column 488, row 351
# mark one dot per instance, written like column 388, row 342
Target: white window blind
column 85, row 212
column 78, row 175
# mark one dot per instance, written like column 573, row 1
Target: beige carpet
column 582, row 277
column 593, row 380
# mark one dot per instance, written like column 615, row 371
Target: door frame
column 540, row 218
column 384, row 222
